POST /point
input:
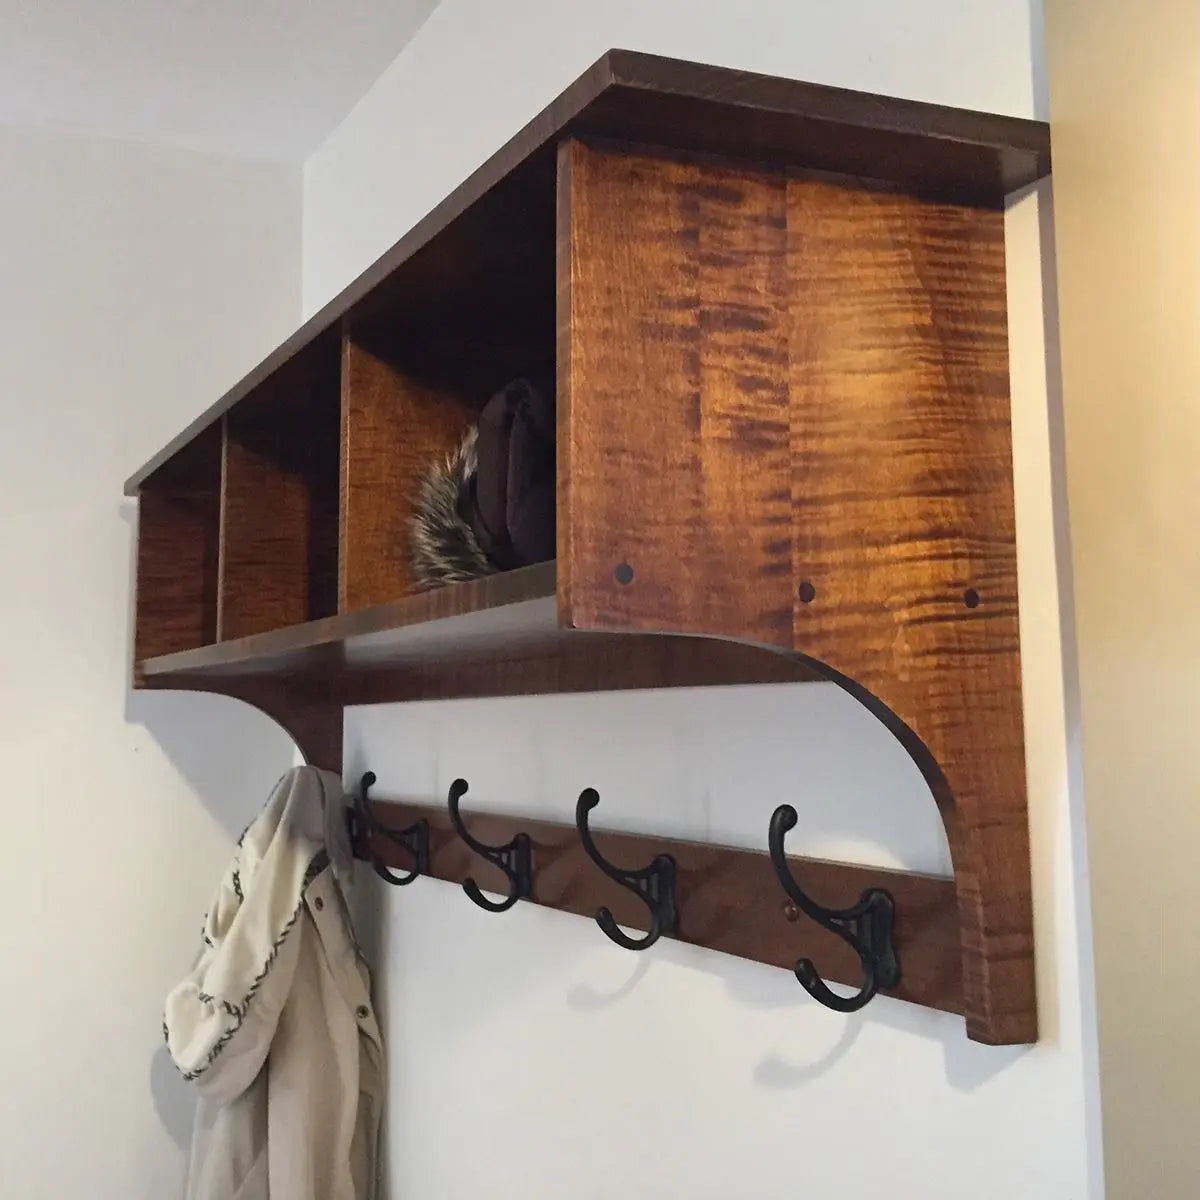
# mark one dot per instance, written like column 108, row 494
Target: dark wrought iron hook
column 514, row 858
column 653, row 885
column 866, row 927
column 364, row 826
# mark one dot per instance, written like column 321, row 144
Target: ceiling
column 265, row 79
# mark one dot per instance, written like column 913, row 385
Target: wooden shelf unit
column 777, row 315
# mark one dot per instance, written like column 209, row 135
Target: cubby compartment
column 423, row 352
column 179, row 533
column 279, row 512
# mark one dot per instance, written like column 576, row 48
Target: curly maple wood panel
column 279, row 511
column 393, row 427
column 904, row 529
column 784, row 418
column 674, row 460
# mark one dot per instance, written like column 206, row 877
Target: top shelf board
column 954, row 154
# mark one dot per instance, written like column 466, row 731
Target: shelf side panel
column 784, row 418
column 177, row 551
column 904, row 534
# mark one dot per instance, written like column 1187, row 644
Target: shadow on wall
column 174, row 1098
column 228, row 753
column 229, row 756
column 969, row 1065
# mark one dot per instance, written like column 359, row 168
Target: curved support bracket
column 309, row 716
column 514, row 858
column 849, row 500
column 653, row 885
column 866, row 927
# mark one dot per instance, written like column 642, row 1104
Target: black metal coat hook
column 414, row 839
column 514, row 858
column 653, row 885
column 865, row 926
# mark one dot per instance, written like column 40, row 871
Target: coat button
column 318, row 904
column 362, row 1012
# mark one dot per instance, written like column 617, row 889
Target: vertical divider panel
column 279, row 559
column 394, row 424
column 674, row 446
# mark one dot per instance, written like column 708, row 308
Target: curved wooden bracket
column 310, row 717
column 784, row 414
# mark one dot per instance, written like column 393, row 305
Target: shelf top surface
column 687, row 107
column 510, row 609
column 477, row 638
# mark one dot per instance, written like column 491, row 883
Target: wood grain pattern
column 393, row 427
column 279, row 507
column 836, row 353
column 664, row 102
column 903, row 504
column 728, row 899
column 673, row 396
column 179, row 525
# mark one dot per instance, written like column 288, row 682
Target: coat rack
column 894, row 932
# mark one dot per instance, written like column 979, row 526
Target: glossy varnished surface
column 514, row 604
column 674, row 457
column 784, row 415
column 904, row 526
column 495, row 636
column 728, row 899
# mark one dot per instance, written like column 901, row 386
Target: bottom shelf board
column 728, row 899
column 499, row 635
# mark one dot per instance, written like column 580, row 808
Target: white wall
column 479, row 69
column 1125, row 102
column 135, row 285
column 529, row 1057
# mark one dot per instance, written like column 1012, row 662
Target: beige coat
column 274, row 1024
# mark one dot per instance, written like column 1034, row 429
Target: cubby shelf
column 777, row 316
column 494, row 636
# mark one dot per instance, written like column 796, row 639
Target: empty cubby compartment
column 179, row 531
column 279, row 554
